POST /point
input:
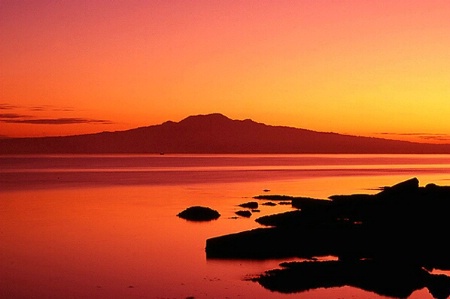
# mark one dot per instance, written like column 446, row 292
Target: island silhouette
column 388, row 243
column 218, row 134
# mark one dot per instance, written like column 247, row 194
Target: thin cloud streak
column 6, row 106
column 425, row 136
column 50, row 108
column 37, row 108
column 56, row 121
column 19, row 118
column 12, row 116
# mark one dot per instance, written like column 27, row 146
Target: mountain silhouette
column 214, row 133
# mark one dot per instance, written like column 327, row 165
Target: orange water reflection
column 126, row 242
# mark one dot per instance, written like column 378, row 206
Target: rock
column 250, row 205
column 385, row 243
column 260, row 243
column 401, row 189
column 290, row 218
column 198, row 213
column 243, row 213
column 382, row 226
column 307, row 203
column 274, row 197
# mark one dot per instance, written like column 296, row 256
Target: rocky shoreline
column 402, row 229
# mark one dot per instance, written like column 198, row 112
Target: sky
column 366, row 68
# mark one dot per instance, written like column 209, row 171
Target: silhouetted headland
column 218, row 134
column 399, row 234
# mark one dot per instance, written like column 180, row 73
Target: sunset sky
column 373, row 68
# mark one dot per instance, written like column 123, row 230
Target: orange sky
column 373, row 68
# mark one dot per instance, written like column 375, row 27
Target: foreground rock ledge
column 198, row 213
column 386, row 243
column 403, row 222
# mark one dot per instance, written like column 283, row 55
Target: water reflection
column 93, row 234
column 391, row 279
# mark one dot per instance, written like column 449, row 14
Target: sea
column 106, row 226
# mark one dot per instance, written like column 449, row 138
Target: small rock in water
column 198, row 213
column 250, row 205
column 244, row 213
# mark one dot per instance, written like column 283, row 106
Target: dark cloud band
column 12, row 116
column 55, row 121
column 5, row 106
column 17, row 118
column 426, row 136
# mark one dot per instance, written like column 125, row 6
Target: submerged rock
column 198, row 213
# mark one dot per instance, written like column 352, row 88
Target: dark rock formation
column 249, row 205
column 274, row 197
column 385, row 243
column 387, row 224
column 198, row 213
column 282, row 219
column 310, row 204
column 269, row 203
column 244, row 213
column 402, row 230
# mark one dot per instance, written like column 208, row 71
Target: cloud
column 54, row 121
column 37, row 108
column 17, row 118
column 425, row 136
column 437, row 137
column 12, row 116
column 5, row 106
column 50, row 108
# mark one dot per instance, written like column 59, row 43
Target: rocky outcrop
column 274, row 197
column 249, row 205
column 403, row 224
column 198, row 213
column 244, row 213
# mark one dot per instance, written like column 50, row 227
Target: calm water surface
column 106, row 226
